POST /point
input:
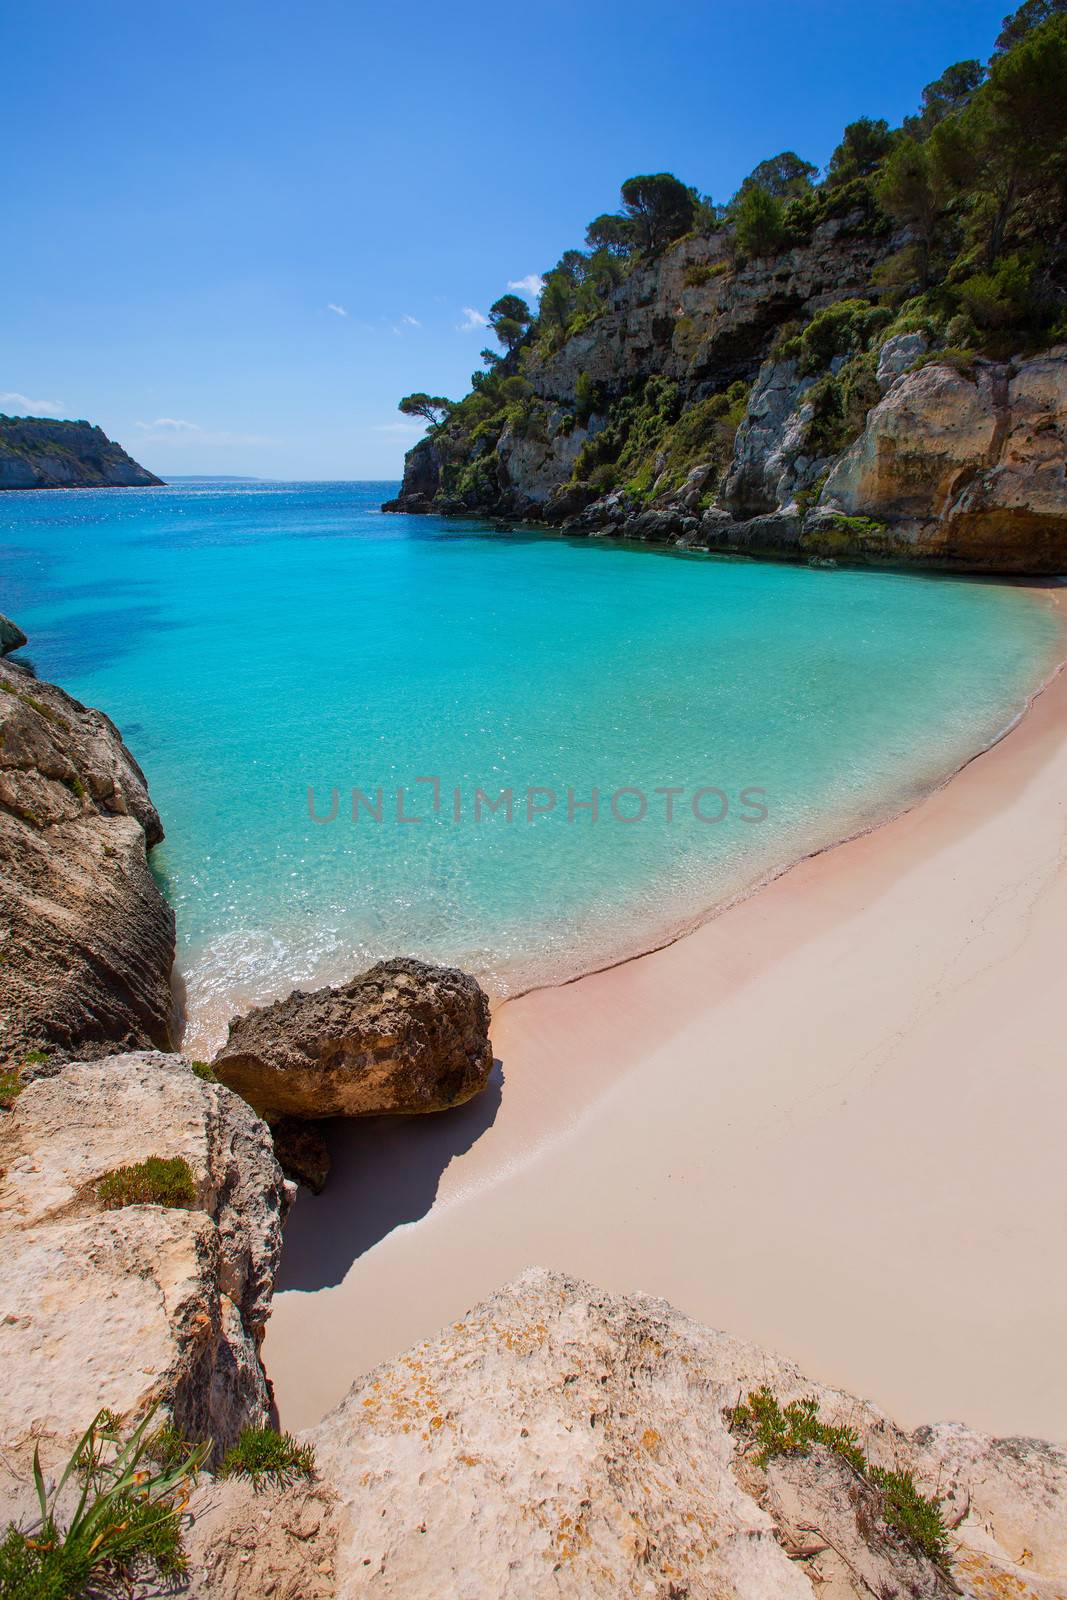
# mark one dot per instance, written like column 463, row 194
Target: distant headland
column 38, row 453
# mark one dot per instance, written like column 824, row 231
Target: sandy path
column 833, row 1120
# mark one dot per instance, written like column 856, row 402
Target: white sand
column 832, row 1121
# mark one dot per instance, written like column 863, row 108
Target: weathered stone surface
column 11, row 636
column 404, row 1037
column 897, row 355
column 38, row 453
column 966, row 470
column 86, row 938
column 143, row 1304
column 770, row 464
column 560, row 1441
column 265, row 1544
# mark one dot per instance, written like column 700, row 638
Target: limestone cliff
column 86, row 938
column 37, row 453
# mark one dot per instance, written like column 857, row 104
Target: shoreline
column 827, row 1120
column 204, row 1032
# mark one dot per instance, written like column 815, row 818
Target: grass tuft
column 124, row 1528
column 11, row 1086
column 154, row 1182
column 204, row 1070
column 794, row 1429
column 263, row 1453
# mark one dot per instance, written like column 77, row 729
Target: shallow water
column 257, row 641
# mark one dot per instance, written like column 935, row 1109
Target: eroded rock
column 966, row 468
column 561, row 1441
column 144, row 1304
column 86, row 938
column 404, row 1037
column 11, row 636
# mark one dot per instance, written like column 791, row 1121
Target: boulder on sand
column 404, row 1037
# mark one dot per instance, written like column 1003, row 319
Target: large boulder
column 965, row 467
column 567, row 1443
column 86, row 938
column 11, row 636
column 404, row 1037
column 144, row 1304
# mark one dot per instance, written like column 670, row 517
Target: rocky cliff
column 36, row 453
column 86, row 938
column 563, row 1442
column 864, row 365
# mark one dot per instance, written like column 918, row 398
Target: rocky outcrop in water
column 143, row 1304
column 11, row 636
column 36, row 453
column 560, row 1441
column 404, row 1037
column 86, row 938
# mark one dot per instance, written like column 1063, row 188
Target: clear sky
column 236, row 231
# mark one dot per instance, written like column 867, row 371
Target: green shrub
column 204, row 1071
column 997, row 299
column 845, row 328
column 698, row 273
column 840, row 402
column 264, row 1453
column 158, row 1181
column 793, row 1430
column 961, row 361
column 11, row 1086
column 125, row 1526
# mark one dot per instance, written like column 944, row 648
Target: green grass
column 11, row 1086
column 262, row 1453
column 158, row 1181
column 794, row 1429
column 125, row 1528
column 204, row 1071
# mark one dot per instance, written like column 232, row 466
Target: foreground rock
column 37, row 453
column 86, row 938
column 145, row 1304
column 563, row 1442
column 404, row 1037
column 11, row 636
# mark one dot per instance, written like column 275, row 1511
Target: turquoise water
column 254, row 641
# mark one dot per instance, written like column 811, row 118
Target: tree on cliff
column 611, row 233
column 947, row 94
column 434, row 407
column 660, row 208
column 863, row 144
column 785, row 176
column 510, row 317
column 1007, row 151
column 1031, row 14
column 760, row 226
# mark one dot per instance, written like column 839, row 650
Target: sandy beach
column 831, row 1120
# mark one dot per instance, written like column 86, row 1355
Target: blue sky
column 238, row 231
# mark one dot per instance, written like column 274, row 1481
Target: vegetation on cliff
column 952, row 226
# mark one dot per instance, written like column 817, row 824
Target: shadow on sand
column 385, row 1171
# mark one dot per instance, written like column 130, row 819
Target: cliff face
column 36, row 453
column 771, row 408
column 86, row 938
